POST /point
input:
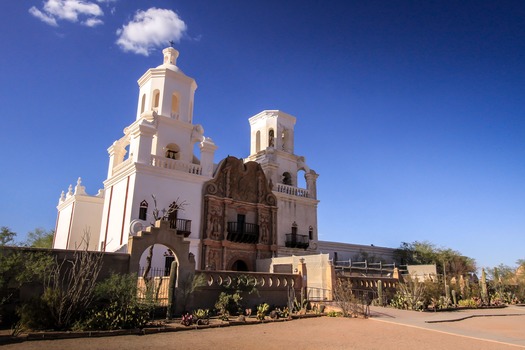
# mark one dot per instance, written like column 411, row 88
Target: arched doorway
column 161, row 259
column 239, row 265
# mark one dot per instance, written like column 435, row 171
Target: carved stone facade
column 239, row 218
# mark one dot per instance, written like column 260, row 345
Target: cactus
column 380, row 292
column 454, row 298
column 467, row 289
column 462, row 286
column 484, row 293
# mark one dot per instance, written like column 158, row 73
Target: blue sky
column 412, row 112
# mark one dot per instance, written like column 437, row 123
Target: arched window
column 172, row 151
column 287, row 179
column 143, row 210
column 271, row 138
column 156, row 98
column 143, row 104
column 174, row 106
column 257, row 141
column 310, row 233
column 301, row 179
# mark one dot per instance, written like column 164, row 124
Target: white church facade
column 233, row 213
column 153, row 166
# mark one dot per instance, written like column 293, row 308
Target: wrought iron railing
column 243, row 232
column 182, row 226
column 297, row 241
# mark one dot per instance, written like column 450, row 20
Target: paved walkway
column 506, row 325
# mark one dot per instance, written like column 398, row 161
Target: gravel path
column 385, row 330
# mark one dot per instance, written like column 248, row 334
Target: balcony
column 293, row 191
column 243, row 233
column 174, row 164
column 182, row 226
column 297, row 241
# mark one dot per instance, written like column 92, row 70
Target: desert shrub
column 432, row 291
column 346, row 300
column 333, row 313
column 410, row 295
column 70, row 286
column 35, row 315
column 201, row 316
column 262, row 310
column 230, row 301
column 470, row 303
column 116, row 316
column 116, row 305
column 228, row 304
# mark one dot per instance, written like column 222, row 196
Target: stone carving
column 197, row 134
column 214, row 227
column 264, row 229
column 241, row 181
column 214, row 260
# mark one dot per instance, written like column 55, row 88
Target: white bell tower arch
column 272, row 146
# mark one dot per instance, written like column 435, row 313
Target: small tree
column 40, row 238
column 346, row 300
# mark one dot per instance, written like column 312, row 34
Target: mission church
column 233, row 213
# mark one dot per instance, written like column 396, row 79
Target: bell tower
column 162, row 158
column 166, row 90
column 272, row 146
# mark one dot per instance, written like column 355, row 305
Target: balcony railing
column 243, row 233
column 293, row 191
column 174, row 164
column 297, row 241
column 182, row 226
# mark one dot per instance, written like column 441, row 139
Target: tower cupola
column 166, row 90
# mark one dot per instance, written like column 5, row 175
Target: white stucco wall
column 78, row 222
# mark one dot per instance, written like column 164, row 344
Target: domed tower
column 272, row 146
column 153, row 165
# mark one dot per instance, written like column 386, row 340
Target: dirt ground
column 312, row 333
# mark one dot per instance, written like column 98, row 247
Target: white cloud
column 150, row 29
column 85, row 12
column 43, row 17
column 92, row 22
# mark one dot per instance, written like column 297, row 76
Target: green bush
column 229, row 304
column 35, row 315
column 262, row 310
column 116, row 316
column 333, row 313
column 116, row 305
column 470, row 303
